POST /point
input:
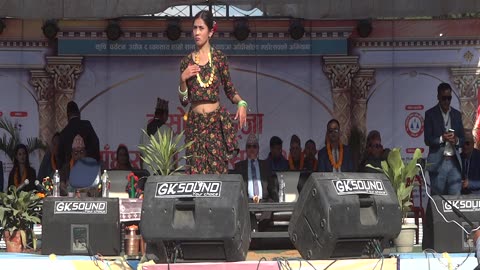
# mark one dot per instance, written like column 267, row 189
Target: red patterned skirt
column 214, row 140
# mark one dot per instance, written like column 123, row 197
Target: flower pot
column 404, row 241
column 14, row 243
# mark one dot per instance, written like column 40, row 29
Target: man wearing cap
column 160, row 117
column 74, row 127
column 259, row 180
column 78, row 151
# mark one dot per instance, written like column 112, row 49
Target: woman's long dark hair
column 207, row 17
column 15, row 161
column 124, row 147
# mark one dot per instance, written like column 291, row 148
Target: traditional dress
column 213, row 134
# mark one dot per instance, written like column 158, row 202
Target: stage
column 273, row 260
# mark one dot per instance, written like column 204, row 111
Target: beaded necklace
column 212, row 72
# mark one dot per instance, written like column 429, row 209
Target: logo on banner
column 188, row 189
column 414, row 124
column 462, row 205
column 356, row 186
column 85, row 207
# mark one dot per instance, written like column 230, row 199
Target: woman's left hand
column 241, row 116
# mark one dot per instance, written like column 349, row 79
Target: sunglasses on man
column 249, row 146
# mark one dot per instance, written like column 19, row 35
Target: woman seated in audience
column 123, row 159
column 21, row 169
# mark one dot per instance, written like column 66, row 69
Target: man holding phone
column 444, row 135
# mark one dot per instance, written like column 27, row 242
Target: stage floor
column 274, row 260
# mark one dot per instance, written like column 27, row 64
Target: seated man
column 310, row 161
column 295, row 158
column 79, row 154
column 374, row 153
column 335, row 156
column 471, row 166
column 275, row 157
column 260, row 183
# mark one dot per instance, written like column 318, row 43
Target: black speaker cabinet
column 449, row 237
column 81, row 226
column 338, row 214
column 205, row 216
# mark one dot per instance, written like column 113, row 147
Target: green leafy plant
column 11, row 138
column 162, row 152
column 19, row 211
column 399, row 174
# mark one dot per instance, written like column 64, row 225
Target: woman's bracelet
column 242, row 103
column 184, row 93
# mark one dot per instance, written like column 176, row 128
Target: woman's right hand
column 190, row 71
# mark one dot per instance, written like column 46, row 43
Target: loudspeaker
column 339, row 214
column 205, row 217
column 81, row 226
column 448, row 237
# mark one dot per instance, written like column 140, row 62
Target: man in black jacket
column 77, row 126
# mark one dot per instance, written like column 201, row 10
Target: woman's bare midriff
column 203, row 107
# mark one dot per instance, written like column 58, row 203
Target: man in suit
column 470, row 165
column 444, row 134
column 77, row 126
column 335, row 156
column 260, row 183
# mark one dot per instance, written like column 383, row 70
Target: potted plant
column 400, row 174
column 162, row 152
column 19, row 211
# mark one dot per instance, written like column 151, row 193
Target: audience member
column 443, row 135
column 78, row 151
column 374, row 153
column 160, row 118
column 310, row 161
column 49, row 161
column 260, row 183
column 21, row 169
column 275, row 157
column 259, row 180
column 471, row 166
column 295, row 157
column 335, row 156
column 123, row 159
column 74, row 127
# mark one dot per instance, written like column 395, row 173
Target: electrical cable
column 438, row 210
column 259, row 261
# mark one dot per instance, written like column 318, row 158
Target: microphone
column 39, row 187
column 23, row 185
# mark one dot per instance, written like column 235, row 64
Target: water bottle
column 56, row 184
column 105, row 184
column 281, row 189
